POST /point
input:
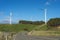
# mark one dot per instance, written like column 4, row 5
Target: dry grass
column 44, row 33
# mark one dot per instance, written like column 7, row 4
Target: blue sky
column 28, row 9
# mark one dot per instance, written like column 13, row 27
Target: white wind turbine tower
column 45, row 15
column 45, row 10
column 46, row 4
column 10, row 18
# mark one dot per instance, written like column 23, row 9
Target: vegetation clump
column 54, row 22
column 31, row 22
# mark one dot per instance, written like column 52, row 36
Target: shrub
column 54, row 22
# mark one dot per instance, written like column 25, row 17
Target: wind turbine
column 45, row 11
column 10, row 17
column 46, row 4
column 45, row 15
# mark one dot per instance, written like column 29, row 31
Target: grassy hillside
column 21, row 27
column 34, row 29
column 43, row 30
column 16, row 27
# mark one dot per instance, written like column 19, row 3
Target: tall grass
column 16, row 27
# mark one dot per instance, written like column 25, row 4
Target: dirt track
column 24, row 36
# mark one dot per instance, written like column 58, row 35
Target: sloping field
column 33, row 29
column 42, row 30
column 16, row 27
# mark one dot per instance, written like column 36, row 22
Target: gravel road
column 24, row 36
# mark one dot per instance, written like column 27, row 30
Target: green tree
column 31, row 22
column 54, row 22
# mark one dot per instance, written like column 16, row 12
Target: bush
column 54, row 22
column 31, row 22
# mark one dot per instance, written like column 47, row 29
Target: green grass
column 45, row 31
column 16, row 27
column 46, row 28
column 41, row 28
column 37, row 29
